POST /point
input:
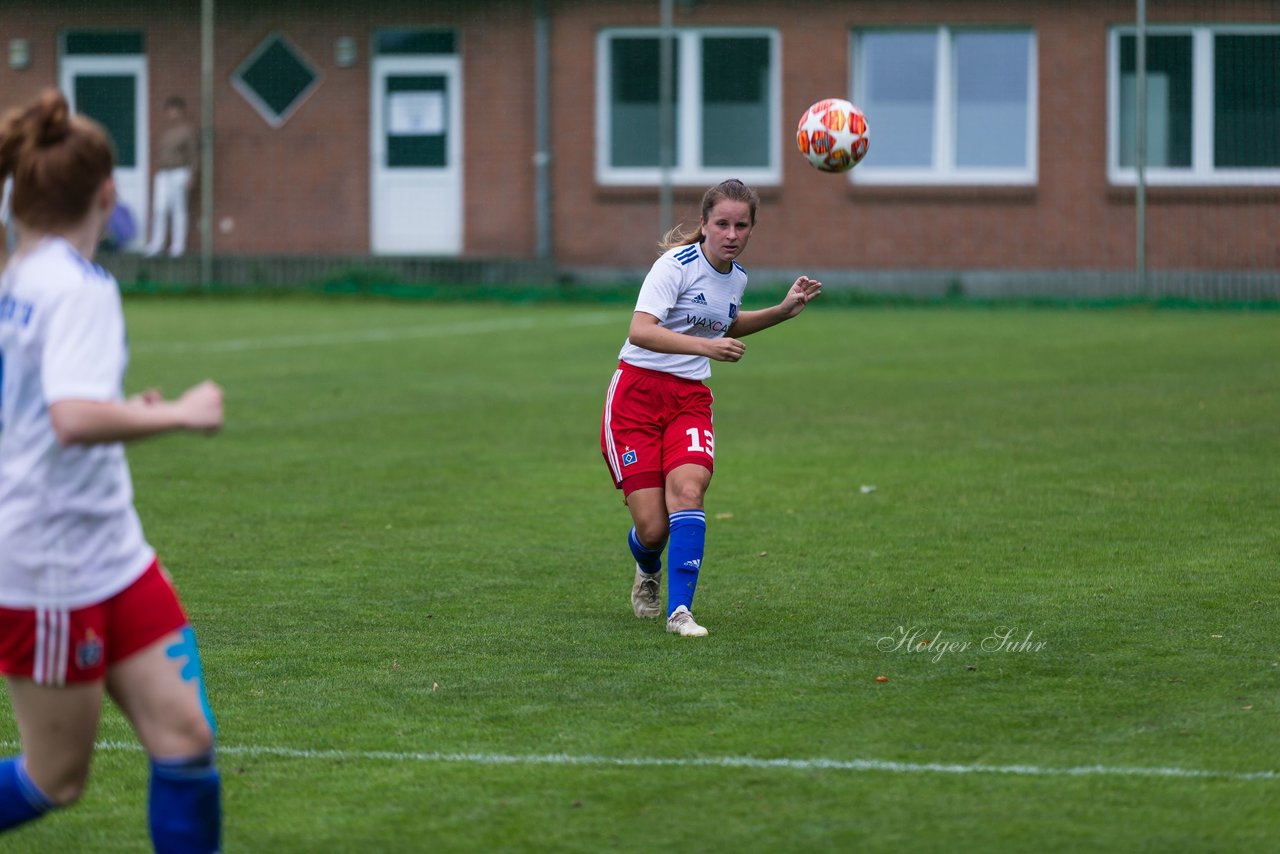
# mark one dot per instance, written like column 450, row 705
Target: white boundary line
column 372, row 336
column 748, row 762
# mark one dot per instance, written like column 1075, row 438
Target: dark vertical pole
column 666, row 117
column 542, row 126
column 206, row 142
column 1140, row 149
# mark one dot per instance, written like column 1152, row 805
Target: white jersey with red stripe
column 69, row 534
column 691, row 297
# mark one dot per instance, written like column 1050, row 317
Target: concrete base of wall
column 1200, row 285
column 287, row 272
column 1207, row 285
column 290, row 271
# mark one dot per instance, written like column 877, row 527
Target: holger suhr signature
column 919, row 640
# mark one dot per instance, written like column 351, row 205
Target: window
column 1168, row 101
column 275, row 79
column 415, row 42
column 111, row 99
column 947, row 105
column 103, row 43
column 414, row 120
column 725, row 104
column 103, row 75
column 1212, row 105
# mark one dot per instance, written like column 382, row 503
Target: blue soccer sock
column 684, row 557
column 185, row 805
column 21, row 800
column 650, row 560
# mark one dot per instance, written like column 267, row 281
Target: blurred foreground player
column 86, row 610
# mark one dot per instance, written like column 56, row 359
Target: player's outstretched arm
column 801, row 293
column 93, row 422
column 645, row 332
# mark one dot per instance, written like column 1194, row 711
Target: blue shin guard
column 185, row 807
column 21, row 800
column 684, row 557
column 649, row 560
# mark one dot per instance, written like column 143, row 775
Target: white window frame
column 687, row 168
column 1202, row 172
column 944, row 170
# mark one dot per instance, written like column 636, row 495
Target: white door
column 112, row 90
column 416, row 145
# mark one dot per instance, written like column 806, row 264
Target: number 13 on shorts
column 702, row 441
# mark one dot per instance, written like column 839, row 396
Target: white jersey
column 691, row 297
column 69, row 534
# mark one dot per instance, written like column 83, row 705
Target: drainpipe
column 206, row 143
column 1140, row 148
column 542, row 126
column 666, row 117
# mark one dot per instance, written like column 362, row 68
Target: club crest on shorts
column 629, row 457
column 89, row 651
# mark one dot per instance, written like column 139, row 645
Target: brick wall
column 1071, row 219
column 304, row 188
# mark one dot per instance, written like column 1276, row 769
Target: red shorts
column 57, row 646
column 654, row 422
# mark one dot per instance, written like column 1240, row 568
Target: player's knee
column 68, row 793
column 684, row 496
column 196, row 735
column 63, row 787
column 203, row 740
column 652, row 533
column 184, row 732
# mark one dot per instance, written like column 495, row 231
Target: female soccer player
column 85, row 608
column 656, row 433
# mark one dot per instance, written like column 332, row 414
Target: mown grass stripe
column 369, row 336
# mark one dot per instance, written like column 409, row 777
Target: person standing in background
column 176, row 160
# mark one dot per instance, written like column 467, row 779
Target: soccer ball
column 833, row 135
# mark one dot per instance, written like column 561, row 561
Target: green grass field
column 407, row 568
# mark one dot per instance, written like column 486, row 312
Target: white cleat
column 681, row 623
column 646, row 593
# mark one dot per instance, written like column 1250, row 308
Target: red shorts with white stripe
column 654, row 422
column 57, row 646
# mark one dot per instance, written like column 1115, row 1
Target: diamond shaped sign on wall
column 275, row 79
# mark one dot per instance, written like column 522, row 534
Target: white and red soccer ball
column 833, row 135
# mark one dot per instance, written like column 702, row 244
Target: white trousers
column 169, row 201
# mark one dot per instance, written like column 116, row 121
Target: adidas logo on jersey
column 700, row 300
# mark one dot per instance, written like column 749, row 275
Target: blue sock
column 20, row 800
column 684, row 557
column 650, row 560
column 185, row 805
